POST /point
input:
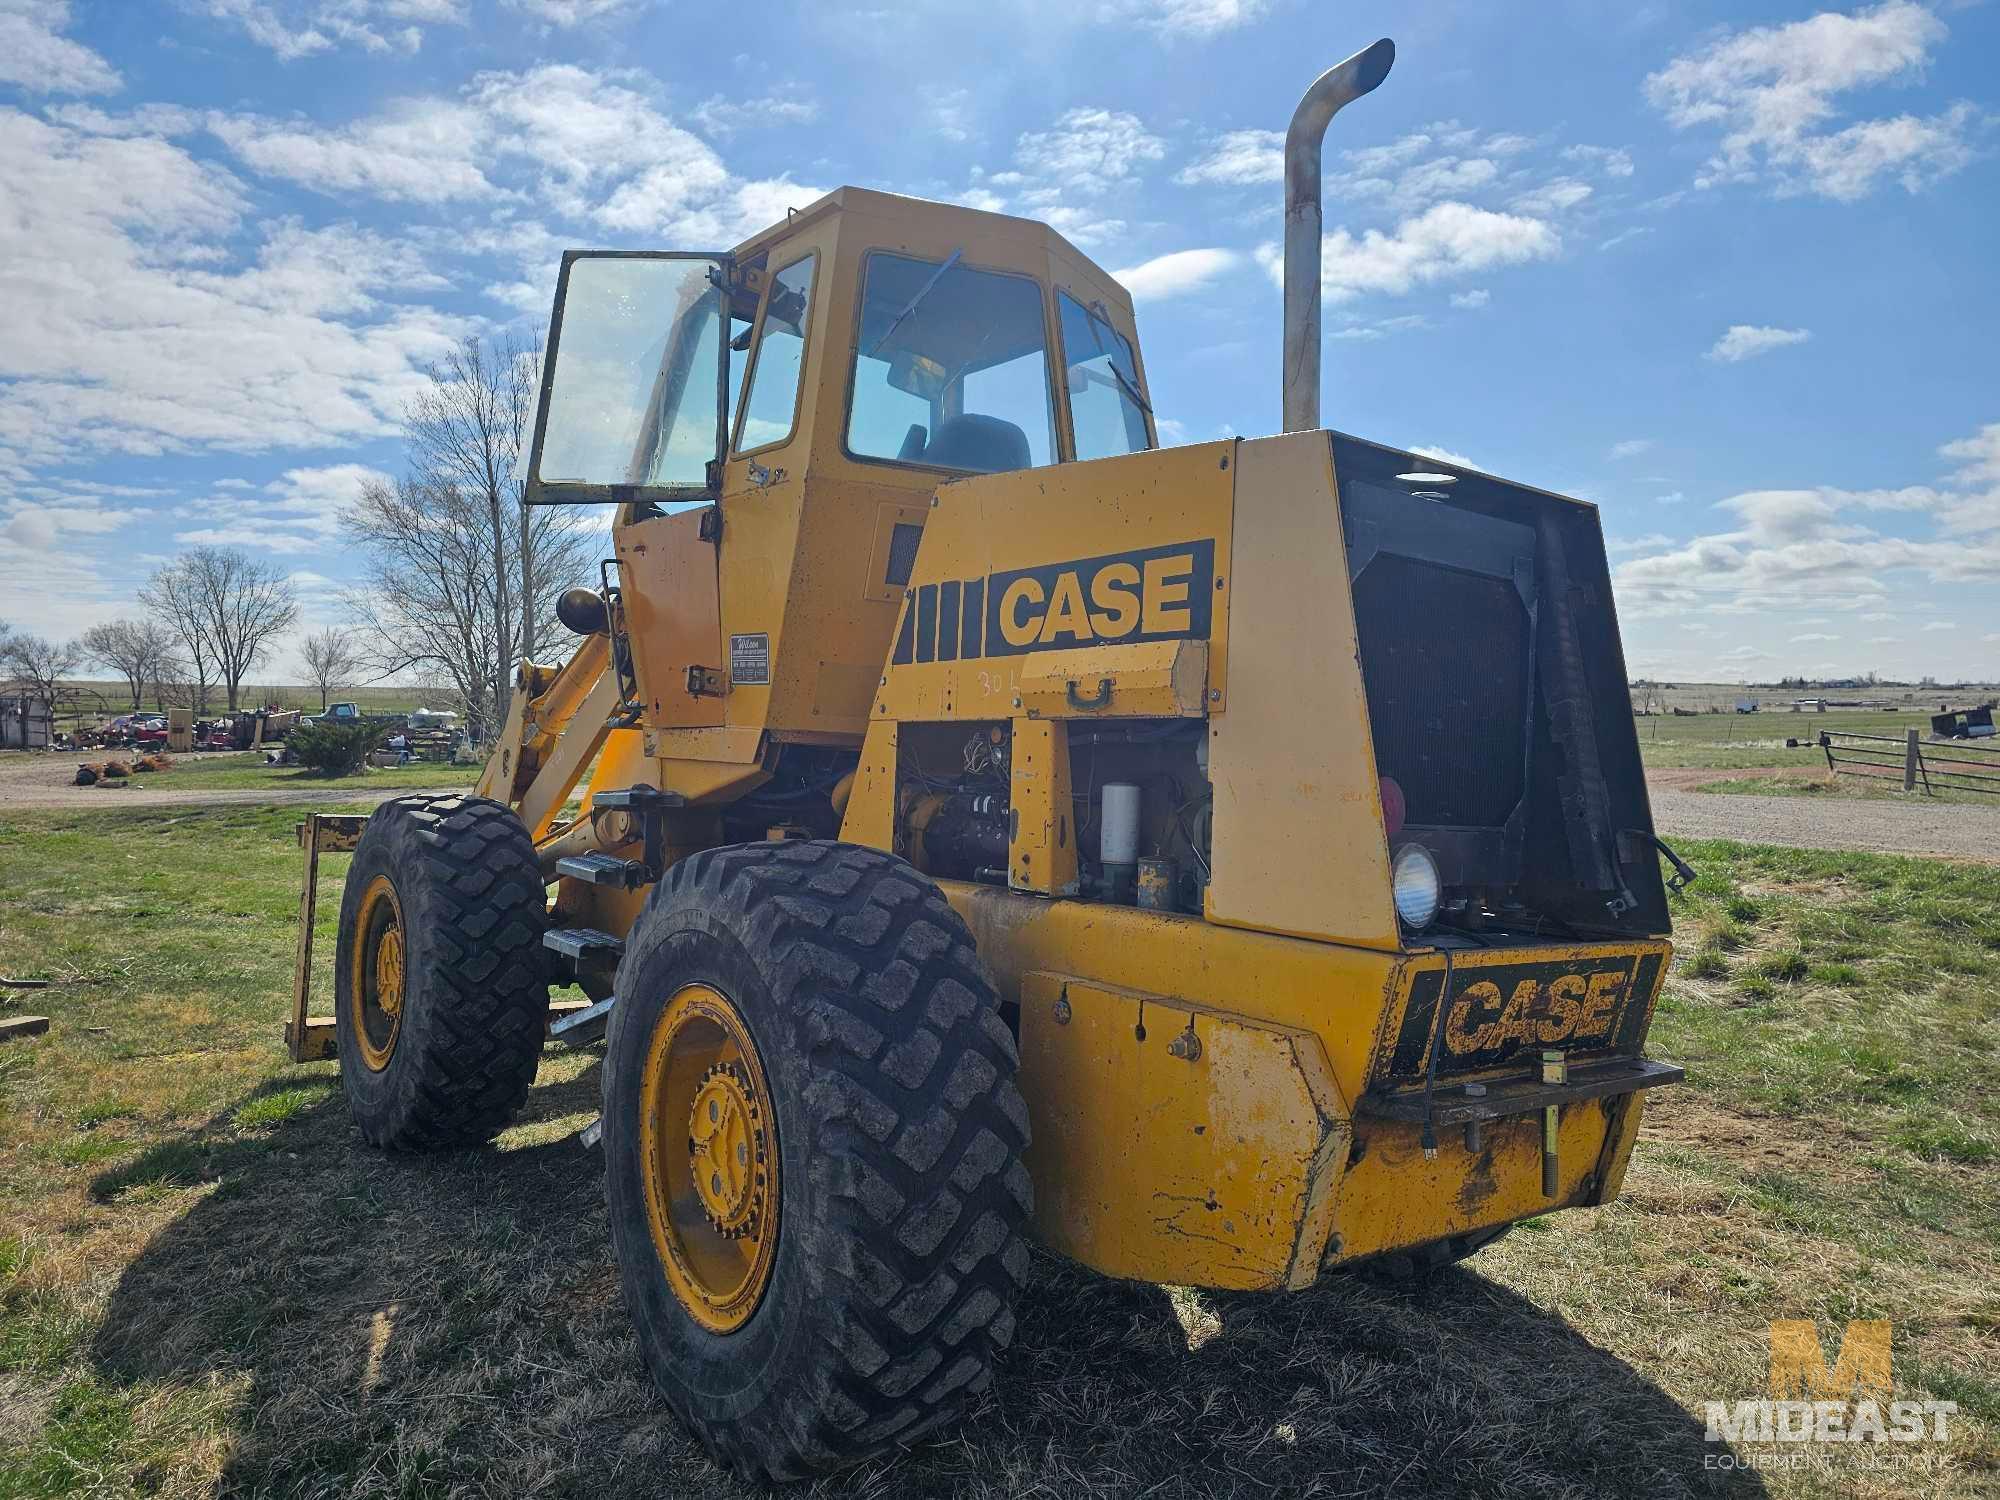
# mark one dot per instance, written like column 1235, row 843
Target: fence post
column 1910, row 762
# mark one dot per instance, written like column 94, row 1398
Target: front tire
column 813, row 1145
column 441, row 1001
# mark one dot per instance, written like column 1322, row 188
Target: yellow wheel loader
column 969, row 821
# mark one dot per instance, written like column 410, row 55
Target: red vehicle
column 149, row 731
column 219, row 736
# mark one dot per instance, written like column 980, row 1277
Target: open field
column 206, row 1284
column 1700, row 753
column 1753, row 741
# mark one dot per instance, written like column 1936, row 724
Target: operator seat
column 987, row 445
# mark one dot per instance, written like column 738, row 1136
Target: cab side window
column 1104, row 401
column 770, row 409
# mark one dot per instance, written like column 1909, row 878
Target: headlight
column 1413, row 880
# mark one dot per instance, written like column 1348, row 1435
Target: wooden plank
column 296, row 1028
column 315, row 1043
column 13, row 1026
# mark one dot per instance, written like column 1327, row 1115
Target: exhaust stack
column 1331, row 92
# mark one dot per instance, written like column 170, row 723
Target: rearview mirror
column 915, row 375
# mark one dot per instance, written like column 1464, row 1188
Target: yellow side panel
column 1152, row 680
column 1338, row 993
column 1298, row 841
column 1109, row 513
column 1041, row 855
column 666, row 574
column 1176, row 1143
column 871, row 806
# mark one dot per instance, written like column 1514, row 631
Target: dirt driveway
column 50, row 781
column 1941, row 830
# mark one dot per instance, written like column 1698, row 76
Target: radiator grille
column 1444, row 655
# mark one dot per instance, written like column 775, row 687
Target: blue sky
column 1727, row 271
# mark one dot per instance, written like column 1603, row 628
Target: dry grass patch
column 207, row 1286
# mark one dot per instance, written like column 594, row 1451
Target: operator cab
column 868, row 335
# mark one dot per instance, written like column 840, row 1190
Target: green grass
column 208, row 1286
column 1730, row 741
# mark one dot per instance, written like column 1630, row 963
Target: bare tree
column 38, row 665
column 331, row 659
column 174, row 682
column 466, row 429
column 233, row 606
column 174, row 593
column 428, row 607
column 134, row 648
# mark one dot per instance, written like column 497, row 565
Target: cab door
column 634, row 412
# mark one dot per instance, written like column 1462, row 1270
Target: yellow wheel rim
column 375, row 978
column 708, row 1152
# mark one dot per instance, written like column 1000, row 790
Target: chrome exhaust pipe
column 1331, row 92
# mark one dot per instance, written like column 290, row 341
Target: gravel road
column 49, row 781
column 1950, row 832
column 1945, row 830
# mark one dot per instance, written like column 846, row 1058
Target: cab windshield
column 951, row 368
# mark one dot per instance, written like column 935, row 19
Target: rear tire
column 442, row 917
column 894, row 1132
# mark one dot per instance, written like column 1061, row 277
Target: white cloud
column 568, row 13
column 950, row 112
column 1941, row 625
column 1813, row 635
column 588, row 147
column 1445, row 241
column 147, row 119
column 297, row 513
column 1177, row 274
column 1197, row 19
column 1090, row 154
column 1672, row 497
column 34, row 57
column 1746, row 341
column 1612, row 161
column 1652, row 542
column 1444, row 456
column 1552, row 197
column 1477, row 297
column 293, row 29
column 420, row 150
column 725, row 117
column 124, row 332
column 1631, row 447
column 1774, row 92
column 1815, row 548
column 1089, row 150
column 1238, row 158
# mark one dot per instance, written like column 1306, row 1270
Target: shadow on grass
column 404, row 1325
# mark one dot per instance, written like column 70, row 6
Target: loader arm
column 557, row 721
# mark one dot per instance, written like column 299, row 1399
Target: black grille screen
column 1444, row 655
column 902, row 553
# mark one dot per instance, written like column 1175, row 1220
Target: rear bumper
column 1221, row 1107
